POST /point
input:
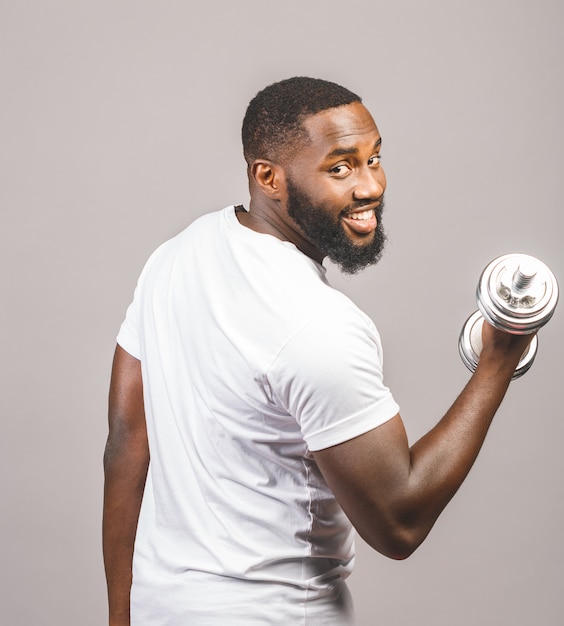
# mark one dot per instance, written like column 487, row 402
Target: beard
column 328, row 234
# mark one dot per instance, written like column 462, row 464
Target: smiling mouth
column 362, row 215
column 361, row 222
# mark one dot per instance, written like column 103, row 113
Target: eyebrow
column 344, row 151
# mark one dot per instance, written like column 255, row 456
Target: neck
column 269, row 221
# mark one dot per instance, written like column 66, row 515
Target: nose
column 371, row 183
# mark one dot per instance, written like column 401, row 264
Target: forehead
column 344, row 127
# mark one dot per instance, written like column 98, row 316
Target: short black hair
column 273, row 121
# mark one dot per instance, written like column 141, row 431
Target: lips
column 362, row 221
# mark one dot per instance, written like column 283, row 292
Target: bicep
column 126, row 415
column 368, row 475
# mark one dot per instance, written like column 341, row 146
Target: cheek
column 330, row 197
column 334, row 194
column 382, row 178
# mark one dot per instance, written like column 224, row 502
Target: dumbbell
column 516, row 293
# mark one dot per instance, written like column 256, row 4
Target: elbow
column 397, row 531
column 397, row 542
column 400, row 547
column 400, row 552
column 126, row 450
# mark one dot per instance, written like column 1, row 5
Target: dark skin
column 126, row 460
column 391, row 492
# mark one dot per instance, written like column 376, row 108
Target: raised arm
column 126, row 460
column 393, row 494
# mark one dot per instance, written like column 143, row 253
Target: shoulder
column 197, row 231
column 337, row 335
column 329, row 376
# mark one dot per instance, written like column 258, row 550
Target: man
column 257, row 392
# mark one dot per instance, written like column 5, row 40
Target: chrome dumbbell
column 516, row 293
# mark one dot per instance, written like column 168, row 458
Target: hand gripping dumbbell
column 516, row 293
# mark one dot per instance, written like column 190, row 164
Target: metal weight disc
column 517, row 293
column 470, row 346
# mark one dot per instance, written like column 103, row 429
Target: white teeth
column 363, row 215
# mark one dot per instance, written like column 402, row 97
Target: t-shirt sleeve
column 329, row 378
column 128, row 336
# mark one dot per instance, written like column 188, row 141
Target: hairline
column 285, row 152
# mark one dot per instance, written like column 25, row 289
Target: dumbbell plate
column 502, row 312
column 470, row 346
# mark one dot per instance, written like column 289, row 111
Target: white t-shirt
column 250, row 362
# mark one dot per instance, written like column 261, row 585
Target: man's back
column 233, row 494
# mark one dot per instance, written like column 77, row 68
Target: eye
column 374, row 160
column 340, row 170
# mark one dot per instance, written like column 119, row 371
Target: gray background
column 120, row 124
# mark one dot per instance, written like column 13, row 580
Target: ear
column 269, row 177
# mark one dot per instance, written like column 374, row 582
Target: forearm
column 393, row 494
column 440, row 461
column 125, row 468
